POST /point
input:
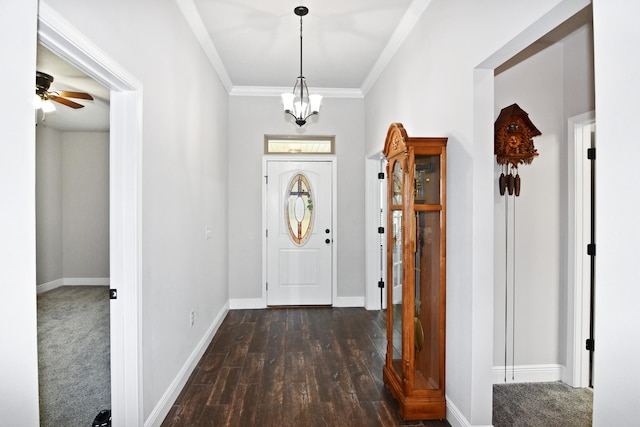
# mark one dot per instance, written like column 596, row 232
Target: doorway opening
column 550, row 41
column 72, row 250
column 375, row 227
column 125, row 144
column 581, row 291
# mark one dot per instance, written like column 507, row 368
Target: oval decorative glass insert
column 298, row 209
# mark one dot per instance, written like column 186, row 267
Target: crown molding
column 277, row 91
column 194, row 20
column 406, row 24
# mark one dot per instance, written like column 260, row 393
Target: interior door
column 299, row 233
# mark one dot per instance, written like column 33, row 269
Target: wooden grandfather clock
column 414, row 368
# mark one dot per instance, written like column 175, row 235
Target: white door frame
column 578, row 289
column 124, row 213
column 334, row 216
column 374, row 199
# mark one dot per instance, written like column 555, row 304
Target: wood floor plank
column 209, row 368
column 192, row 403
column 260, row 339
column 237, row 347
column 224, row 387
column 270, row 414
column 272, row 381
column 294, row 367
column 243, row 407
column 252, row 368
column 293, row 341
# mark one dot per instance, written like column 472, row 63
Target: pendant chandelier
column 298, row 103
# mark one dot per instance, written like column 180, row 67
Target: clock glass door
column 427, row 301
column 396, row 267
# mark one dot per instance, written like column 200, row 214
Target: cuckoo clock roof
column 512, row 111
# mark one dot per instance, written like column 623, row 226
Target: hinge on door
column 266, row 179
column 591, row 344
column 113, row 294
column 267, row 285
column 381, row 283
column 591, row 249
column 380, row 175
column 591, row 153
column 380, row 230
column 266, row 233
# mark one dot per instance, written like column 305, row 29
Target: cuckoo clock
column 513, row 145
column 416, row 265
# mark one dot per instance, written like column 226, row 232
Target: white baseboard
column 246, row 303
column 455, row 417
column 527, row 373
column 348, row 302
column 171, row 394
column 49, row 286
column 72, row 281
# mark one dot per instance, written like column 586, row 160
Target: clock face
column 397, row 190
column 397, row 184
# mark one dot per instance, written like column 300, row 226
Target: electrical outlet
column 192, row 317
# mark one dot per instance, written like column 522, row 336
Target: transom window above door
column 279, row 144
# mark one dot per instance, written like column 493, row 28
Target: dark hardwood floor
column 292, row 367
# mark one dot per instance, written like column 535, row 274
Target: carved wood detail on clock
column 513, row 145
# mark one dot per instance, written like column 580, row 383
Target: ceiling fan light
column 48, row 107
column 37, row 102
column 315, row 100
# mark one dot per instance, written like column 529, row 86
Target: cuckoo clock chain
column 506, row 287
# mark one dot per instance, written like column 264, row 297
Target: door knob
column 327, row 231
column 327, row 241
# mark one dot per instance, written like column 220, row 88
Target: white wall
column 617, row 391
column 85, row 204
column 48, row 205
column 19, row 365
column 250, row 118
column 72, row 205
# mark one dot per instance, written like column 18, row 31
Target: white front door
column 299, row 233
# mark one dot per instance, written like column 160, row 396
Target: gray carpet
column 73, row 355
column 551, row 404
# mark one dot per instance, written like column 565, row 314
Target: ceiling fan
column 43, row 82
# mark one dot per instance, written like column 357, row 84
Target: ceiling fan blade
column 65, row 101
column 79, row 95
